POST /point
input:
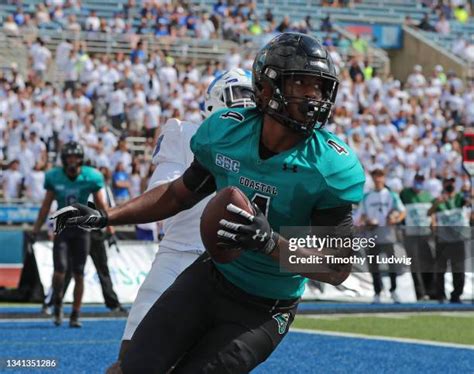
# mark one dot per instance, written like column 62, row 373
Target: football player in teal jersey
column 69, row 184
column 218, row 318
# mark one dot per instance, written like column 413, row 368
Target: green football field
column 453, row 327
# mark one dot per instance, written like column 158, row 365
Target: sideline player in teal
column 69, row 184
column 229, row 318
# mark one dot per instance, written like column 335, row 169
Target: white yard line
column 384, row 338
column 466, row 314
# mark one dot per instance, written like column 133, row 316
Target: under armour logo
column 293, row 168
column 259, row 236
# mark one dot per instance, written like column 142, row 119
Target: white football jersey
column 172, row 156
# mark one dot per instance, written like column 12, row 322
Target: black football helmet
column 72, row 149
column 286, row 57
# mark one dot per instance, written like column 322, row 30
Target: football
column 216, row 210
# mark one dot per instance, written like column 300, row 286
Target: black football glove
column 256, row 236
column 78, row 215
column 112, row 240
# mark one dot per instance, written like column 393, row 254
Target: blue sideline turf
column 92, row 348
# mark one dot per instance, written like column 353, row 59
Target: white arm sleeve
column 169, row 155
column 169, row 147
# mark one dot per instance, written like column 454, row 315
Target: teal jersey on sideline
column 67, row 191
column 318, row 173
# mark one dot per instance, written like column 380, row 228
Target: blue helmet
column 232, row 89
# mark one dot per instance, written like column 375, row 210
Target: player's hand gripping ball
column 230, row 224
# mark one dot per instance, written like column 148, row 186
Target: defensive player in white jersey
column 172, row 156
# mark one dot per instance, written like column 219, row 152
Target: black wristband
column 271, row 244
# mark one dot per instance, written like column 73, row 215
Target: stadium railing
column 13, row 48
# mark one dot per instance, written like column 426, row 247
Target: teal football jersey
column 318, row 173
column 69, row 191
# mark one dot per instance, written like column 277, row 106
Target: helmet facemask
column 237, row 96
column 301, row 113
column 72, row 149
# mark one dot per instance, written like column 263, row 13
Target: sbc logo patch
column 282, row 320
column 227, row 163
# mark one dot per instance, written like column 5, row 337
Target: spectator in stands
column 24, row 155
column 360, row 45
column 205, row 27
column 326, row 24
column 449, row 217
column 380, row 210
column 12, row 181
column 42, row 15
column 117, row 24
column 63, row 53
column 117, row 101
column 416, row 81
column 122, row 155
column 104, row 26
column 136, row 104
column 40, row 58
column 121, row 185
column 355, row 69
column 108, row 139
column 425, row 24
column 57, row 15
column 92, row 22
column 135, row 179
column 72, row 24
column 38, row 148
column 408, row 21
column 10, row 26
column 152, row 117
column 461, row 14
column 138, row 52
column 417, row 234
column 34, row 184
column 19, row 16
column 442, row 26
column 284, row 25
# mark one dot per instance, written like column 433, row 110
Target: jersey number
column 337, row 147
column 263, row 202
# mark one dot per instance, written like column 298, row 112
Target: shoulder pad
column 340, row 168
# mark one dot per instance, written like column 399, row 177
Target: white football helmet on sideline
column 231, row 89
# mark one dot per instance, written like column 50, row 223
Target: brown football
column 214, row 211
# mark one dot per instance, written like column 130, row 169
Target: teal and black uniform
column 319, row 173
column 243, row 309
column 72, row 243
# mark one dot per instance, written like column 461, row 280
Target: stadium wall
column 11, row 257
column 419, row 50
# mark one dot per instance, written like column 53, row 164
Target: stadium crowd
column 404, row 127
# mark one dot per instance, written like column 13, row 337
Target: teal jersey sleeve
column 49, row 180
column 342, row 173
column 95, row 178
